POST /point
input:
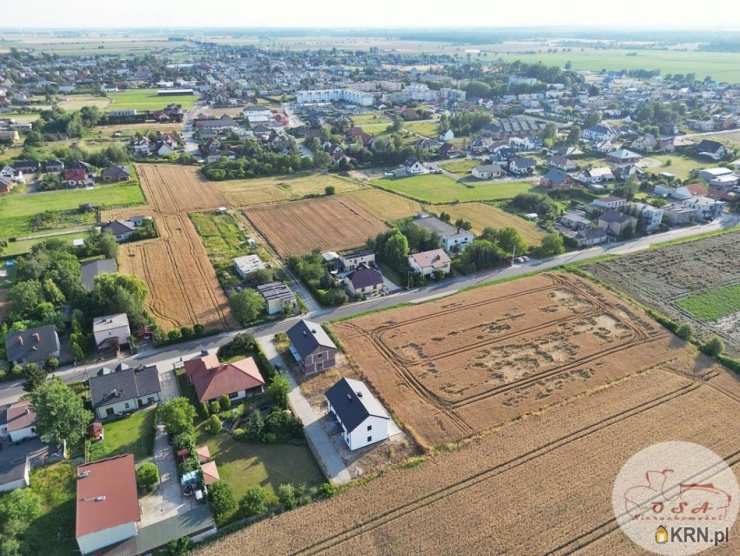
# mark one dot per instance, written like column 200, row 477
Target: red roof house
column 213, row 379
column 107, row 503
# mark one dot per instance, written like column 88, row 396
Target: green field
column 427, row 128
column 724, row 66
column 17, row 209
column 438, row 188
column 131, row 435
column 53, row 533
column 221, row 235
column 147, row 99
column 680, row 165
column 23, row 246
column 713, row 304
column 372, row 123
column 462, row 166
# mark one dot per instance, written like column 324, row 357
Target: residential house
column 6, row 185
column 364, row 280
column 575, row 220
column 556, row 178
column 487, row 171
column 278, row 297
column 21, row 167
column 53, row 166
column 562, row 163
column 212, row 379
column 107, row 504
column 623, row 156
column 92, row 269
column 599, row 133
column 413, row 167
column 353, row 259
column 521, row 166
column 122, row 230
column 77, row 177
column 362, row 419
column 715, row 176
column 140, row 146
column 111, row 331
column 311, row 347
column 248, row 264
column 590, row 236
column 600, row 175
column 650, row 215
column 645, row 143
column 711, row 149
column 115, row 173
column 123, row 390
column 428, row 263
column 17, row 459
column 32, row 345
column 608, row 203
column 453, row 239
column 615, row 223
column 18, row 421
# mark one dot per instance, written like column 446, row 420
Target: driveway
column 167, row 501
column 168, row 382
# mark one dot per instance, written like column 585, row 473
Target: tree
column 214, row 424
column 178, row 415
column 60, row 413
column 684, row 332
column 254, row 502
column 222, row 500
column 255, row 425
column 18, row 509
column 147, row 475
column 510, row 240
column 330, row 190
column 121, row 293
column 592, row 118
column 714, row 346
column 25, row 297
column 278, row 389
column 552, row 244
column 35, row 376
column 179, row 547
column 286, row 496
column 224, row 402
column 574, row 135
column 396, row 250
column 247, row 305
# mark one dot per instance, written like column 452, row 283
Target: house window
column 369, row 427
column 369, row 438
column 319, row 355
column 126, row 405
column 233, row 395
column 109, row 411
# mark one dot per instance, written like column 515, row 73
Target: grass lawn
column 131, row 435
column 243, row 465
column 427, row 128
column 75, row 102
column 221, row 235
column 16, row 248
column 147, row 99
column 481, row 215
column 383, row 205
column 713, row 304
column 54, row 532
column 17, row 209
column 282, row 188
column 23, row 117
column 462, row 166
column 372, row 123
column 680, row 166
column 438, row 188
column 731, row 139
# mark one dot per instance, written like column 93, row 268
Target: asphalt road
column 171, row 355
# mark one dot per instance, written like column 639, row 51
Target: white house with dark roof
column 111, row 330
column 361, row 417
column 364, row 281
column 278, row 297
column 453, row 239
column 124, row 390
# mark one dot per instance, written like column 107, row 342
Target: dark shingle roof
column 94, row 268
column 306, row 336
column 353, row 402
column 34, row 345
column 364, row 277
column 124, row 385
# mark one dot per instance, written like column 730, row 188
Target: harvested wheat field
column 456, row 367
column 383, row 205
column 540, row 484
column 299, row 227
column 183, row 288
column 257, row 191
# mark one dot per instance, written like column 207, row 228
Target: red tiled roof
column 20, row 415
column 75, row 174
column 210, row 472
column 106, row 495
column 212, row 379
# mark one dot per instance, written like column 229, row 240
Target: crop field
column 298, row 227
column 692, row 282
column 383, row 205
column 75, row 102
column 541, row 484
column 481, row 215
column 257, row 191
column 462, row 166
column 438, row 188
column 183, row 288
column 456, row 367
column 147, row 99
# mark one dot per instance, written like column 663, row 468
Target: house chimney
column 19, row 340
column 359, row 394
column 36, row 338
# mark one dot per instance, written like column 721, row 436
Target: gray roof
column 556, row 175
column 353, row 402
column 126, row 384
column 13, row 458
column 363, row 277
column 119, row 227
column 94, row 268
column 435, row 225
column 33, row 345
column 614, row 216
column 275, row 290
column 306, row 336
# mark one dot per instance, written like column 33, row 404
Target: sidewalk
column 321, row 445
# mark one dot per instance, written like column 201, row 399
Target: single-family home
column 650, row 215
column 711, row 149
column 354, row 259
column 487, row 172
column 278, row 297
column 623, row 156
column 25, row 166
column 311, row 347
column 124, row 389
column 248, row 264
column 92, row 269
column 6, row 185
column 428, row 263
column 575, row 220
column 453, row 239
column 122, row 230
column 555, row 178
column 521, row 166
column 562, row 163
column 616, row 222
column 414, row 167
column 362, row 419
column 600, row 174
column 111, row 331
column 115, row 173
column 17, row 459
column 53, row 166
column 213, row 379
column 599, row 133
column 364, row 280
column 610, row 202
column 32, row 345
column 107, row 504
column 711, row 174
column 18, row 421
column 77, row 177
column 590, row 236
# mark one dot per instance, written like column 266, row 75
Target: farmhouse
column 92, row 269
column 107, row 504
column 248, row 264
column 364, row 281
column 111, row 331
column 213, row 379
column 453, row 239
column 17, row 421
column 427, row 263
column 123, row 390
column 487, row 171
column 32, row 345
column 361, row 417
column 311, row 347
column 278, row 296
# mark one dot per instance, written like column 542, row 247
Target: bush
column 713, row 347
column 147, row 476
column 224, row 402
column 214, row 424
column 326, row 490
column 254, row 502
column 204, row 411
column 214, row 407
column 287, row 496
column 52, row 364
column 255, row 426
column 684, row 332
column 278, row 390
column 222, row 500
column 330, row 190
column 198, row 330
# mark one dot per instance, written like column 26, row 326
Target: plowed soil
column 183, row 288
column 296, row 228
column 457, row 367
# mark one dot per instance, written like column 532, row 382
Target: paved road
column 173, row 355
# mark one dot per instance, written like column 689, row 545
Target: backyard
column 54, row 532
column 147, row 99
column 372, row 123
column 462, row 166
column 678, row 165
column 437, row 188
column 131, row 435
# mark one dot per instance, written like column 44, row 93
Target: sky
column 682, row 14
